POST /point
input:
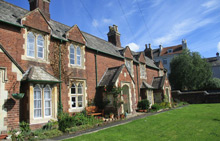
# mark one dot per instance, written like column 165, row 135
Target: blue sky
column 140, row 22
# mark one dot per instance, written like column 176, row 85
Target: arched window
column 47, row 101
column 73, row 95
column 37, row 102
column 40, row 46
column 78, row 56
column 31, row 45
column 72, row 54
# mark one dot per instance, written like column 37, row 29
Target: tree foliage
column 189, row 71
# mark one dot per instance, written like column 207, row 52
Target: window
column 78, row 56
column 42, row 101
column 77, row 95
column 30, row 45
column 72, row 55
column 170, row 50
column 47, row 101
column 35, row 45
column 75, row 55
column 37, row 102
column 142, row 70
column 40, row 47
column 164, row 61
column 129, row 66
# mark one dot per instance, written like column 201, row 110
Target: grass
column 194, row 122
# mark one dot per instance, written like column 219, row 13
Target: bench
column 94, row 111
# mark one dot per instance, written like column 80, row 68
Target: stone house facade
column 54, row 64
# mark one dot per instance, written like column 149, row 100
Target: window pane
column 71, row 49
column 47, row 112
column 80, row 101
column 78, row 56
column 47, row 104
column 80, row 88
column 73, row 89
column 30, row 44
column 72, row 56
column 73, row 102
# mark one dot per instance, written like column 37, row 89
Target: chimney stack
column 184, row 44
column 161, row 47
column 148, row 51
column 43, row 5
column 114, row 36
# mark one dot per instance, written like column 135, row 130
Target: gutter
column 48, row 81
column 12, row 24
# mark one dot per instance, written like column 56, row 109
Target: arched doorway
column 126, row 104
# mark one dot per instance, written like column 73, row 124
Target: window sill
column 76, row 109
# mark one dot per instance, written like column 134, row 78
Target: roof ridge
column 13, row 5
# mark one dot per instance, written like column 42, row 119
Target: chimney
column 217, row 56
column 148, row 51
column 43, row 5
column 184, row 44
column 161, row 48
column 114, row 36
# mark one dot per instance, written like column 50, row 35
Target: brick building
column 54, row 64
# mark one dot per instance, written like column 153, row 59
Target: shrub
column 50, row 125
column 155, row 107
column 143, row 104
column 24, row 127
column 165, row 105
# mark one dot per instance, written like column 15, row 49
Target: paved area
column 105, row 126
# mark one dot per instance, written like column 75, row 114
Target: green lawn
column 194, row 122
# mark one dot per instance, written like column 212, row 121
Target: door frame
column 129, row 95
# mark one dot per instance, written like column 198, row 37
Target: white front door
column 3, row 97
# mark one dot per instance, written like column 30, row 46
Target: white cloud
column 180, row 29
column 211, row 5
column 107, row 20
column 133, row 46
column 218, row 46
column 95, row 23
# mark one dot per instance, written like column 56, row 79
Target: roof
column 176, row 50
column 146, row 86
column 111, row 76
column 35, row 73
column 150, row 63
column 213, row 61
column 158, row 82
column 156, row 52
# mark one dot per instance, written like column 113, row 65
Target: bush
column 165, row 105
column 155, row 107
column 143, row 104
column 50, row 125
column 24, row 127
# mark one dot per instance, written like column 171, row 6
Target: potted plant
column 143, row 105
column 18, row 95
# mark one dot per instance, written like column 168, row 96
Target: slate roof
column 156, row 52
column 146, row 86
column 213, row 61
column 12, row 14
column 38, row 74
column 150, row 63
column 111, row 76
column 158, row 82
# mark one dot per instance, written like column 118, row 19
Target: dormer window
column 75, row 55
column 35, row 45
column 169, row 50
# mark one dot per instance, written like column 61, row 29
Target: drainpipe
column 96, row 70
column 138, row 83
column 60, row 108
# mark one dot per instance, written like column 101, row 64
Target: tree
column 189, row 71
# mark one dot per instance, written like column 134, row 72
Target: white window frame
column 46, row 100
column 39, row 46
column 77, row 95
column 38, row 86
column 35, row 45
column 78, row 55
column 73, row 48
column 170, row 50
column 29, row 43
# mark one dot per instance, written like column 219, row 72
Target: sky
column 141, row 22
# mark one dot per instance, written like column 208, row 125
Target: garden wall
column 196, row 97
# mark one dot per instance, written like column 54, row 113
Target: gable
column 127, row 53
column 36, row 20
column 75, row 34
column 142, row 58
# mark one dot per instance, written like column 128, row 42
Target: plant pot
column 3, row 136
column 111, row 116
column 18, row 95
column 122, row 116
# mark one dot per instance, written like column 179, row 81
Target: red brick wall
column 11, row 86
column 76, row 35
column 103, row 62
column 127, row 53
column 151, row 73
